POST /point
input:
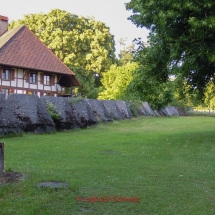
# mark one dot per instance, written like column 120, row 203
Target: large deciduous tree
column 116, row 80
column 81, row 43
column 182, row 40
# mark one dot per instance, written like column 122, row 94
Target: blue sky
column 111, row 12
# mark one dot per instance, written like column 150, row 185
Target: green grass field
column 165, row 164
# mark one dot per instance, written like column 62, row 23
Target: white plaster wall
column 26, row 85
column 33, row 86
column 47, row 87
column 6, row 83
column 20, row 92
column 13, row 83
column 19, row 83
column 20, row 73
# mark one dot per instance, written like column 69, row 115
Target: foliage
column 209, row 100
column 82, row 43
column 74, row 100
column 133, row 108
column 51, row 108
column 181, row 39
column 126, row 52
column 116, row 80
column 86, row 78
column 183, row 97
column 78, row 41
column 147, row 88
column 93, row 94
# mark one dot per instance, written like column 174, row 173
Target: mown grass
column 168, row 163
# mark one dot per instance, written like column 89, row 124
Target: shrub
column 74, row 100
column 51, row 108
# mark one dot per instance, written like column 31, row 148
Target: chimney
column 3, row 24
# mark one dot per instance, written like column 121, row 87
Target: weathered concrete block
column 99, row 110
column 124, row 109
column 173, row 110
column 181, row 112
column 142, row 111
column 161, row 113
column 31, row 112
column 67, row 119
column 8, row 122
column 168, row 111
column 147, row 109
column 112, row 109
column 156, row 113
column 83, row 113
column 129, row 110
column 164, row 112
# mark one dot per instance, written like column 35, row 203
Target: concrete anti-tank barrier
column 31, row 112
column 28, row 113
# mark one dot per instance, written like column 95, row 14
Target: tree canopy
column 81, row 43
column 116, row 80
column 182, row 40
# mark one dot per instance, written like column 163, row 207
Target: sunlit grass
column 167, row 163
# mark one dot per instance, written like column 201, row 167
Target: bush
column 51, row 108
column 74, row 100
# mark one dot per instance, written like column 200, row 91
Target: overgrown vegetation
column 166, row 162
column 74, row 100
column 51, row 108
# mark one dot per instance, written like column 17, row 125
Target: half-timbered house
column 28, row 66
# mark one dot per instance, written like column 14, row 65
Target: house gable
column 20, row 48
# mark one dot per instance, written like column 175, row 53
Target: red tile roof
column 21, row 48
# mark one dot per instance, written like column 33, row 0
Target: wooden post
column 1, row 158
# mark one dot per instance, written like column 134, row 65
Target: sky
column 111, row 12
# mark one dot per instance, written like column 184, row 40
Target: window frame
column 45, row 80
column 6, row 74
column 33, row 78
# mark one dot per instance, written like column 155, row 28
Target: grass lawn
column 165, row 164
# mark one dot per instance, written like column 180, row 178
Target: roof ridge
column 20, row 47
column 72, row 73
column 8, row 35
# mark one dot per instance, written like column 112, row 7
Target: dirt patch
column 52, row 184
column 9, row 177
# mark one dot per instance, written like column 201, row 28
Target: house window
column 47, row 79
column 5, row 74
column 33, row 77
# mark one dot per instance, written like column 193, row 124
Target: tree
column 126, row 52
column 82, row 43
column 147, row 88
column 209, row 100
column 182, row 39
column 116, row 80
column 86, row 79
